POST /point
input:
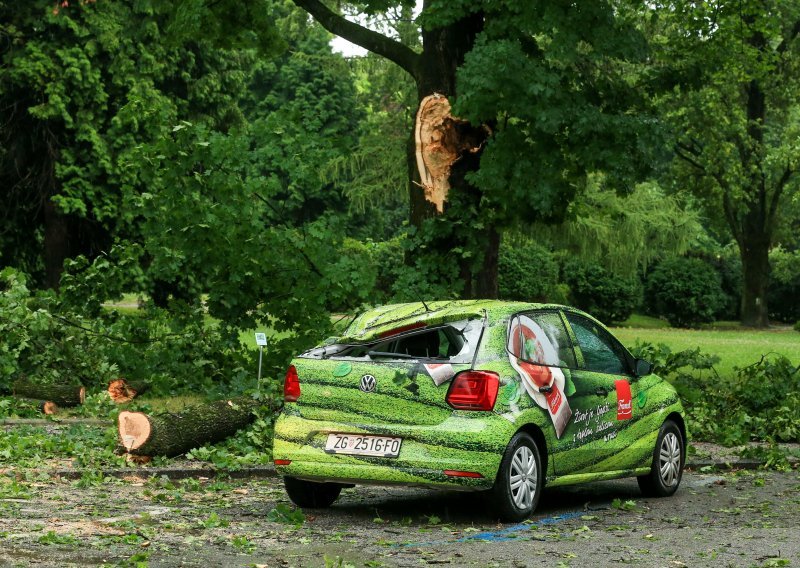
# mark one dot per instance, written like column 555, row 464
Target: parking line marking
column 501, row 535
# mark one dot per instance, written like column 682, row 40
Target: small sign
column 261, row 339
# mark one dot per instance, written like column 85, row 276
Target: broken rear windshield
column 454, row 342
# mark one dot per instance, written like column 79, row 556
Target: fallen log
column 44, row 406
column 171, row 434
column 61, row 395
column 122, row 390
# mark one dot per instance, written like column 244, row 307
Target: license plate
column 360, row 445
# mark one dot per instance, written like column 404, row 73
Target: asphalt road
column 732, row 519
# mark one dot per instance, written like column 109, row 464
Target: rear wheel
column 518, row 485
column 667, row 469
column 311, row 494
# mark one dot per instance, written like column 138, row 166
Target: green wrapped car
column 478, row 396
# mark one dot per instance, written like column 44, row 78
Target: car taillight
column 291, row 385
column 473, row 390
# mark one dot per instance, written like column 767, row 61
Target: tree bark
column 62, row 395
column 122, row 390
column 172, row 434
column 435, row 70
column 755, row 272
column 487, row 275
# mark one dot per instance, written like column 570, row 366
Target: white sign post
column 261, row 341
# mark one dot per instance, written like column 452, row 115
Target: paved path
column 748, row 518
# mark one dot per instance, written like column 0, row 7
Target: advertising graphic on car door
column 582, row 383
column 535, row 358
column 604, row 398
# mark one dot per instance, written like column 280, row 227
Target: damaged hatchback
column 492, row 396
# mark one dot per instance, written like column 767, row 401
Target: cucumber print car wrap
column 581, row 440
column 406, row 403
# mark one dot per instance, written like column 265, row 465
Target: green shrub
column 797, row 326
column 765, row 395
column 387, row 257
column 48, row 340
column 372, row 268
column 783, row 297
column 685, row 291
column 41, row 343
column 603, row 294
column 527, row 272
column 756, row 403
column 728, row 264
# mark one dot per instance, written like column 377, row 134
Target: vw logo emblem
column 367, row 383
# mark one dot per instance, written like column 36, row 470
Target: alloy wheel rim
column 670, row 459
column 523, row 477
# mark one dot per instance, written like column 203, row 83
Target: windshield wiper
column 393, row 355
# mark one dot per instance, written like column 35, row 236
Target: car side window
column 540, row 337
column 601, row 352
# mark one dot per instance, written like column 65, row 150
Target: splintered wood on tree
column 171, row 434
column 61, row 395
column 44, row 406
column 441, row 139
column 122, row 390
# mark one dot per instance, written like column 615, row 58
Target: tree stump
column 122, row 390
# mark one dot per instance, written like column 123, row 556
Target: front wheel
column 519, row 482
column 311, row 494
column 668, row 458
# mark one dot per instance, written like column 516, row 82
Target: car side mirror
column 643, row 367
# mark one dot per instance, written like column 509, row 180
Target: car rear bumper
column 460, row 453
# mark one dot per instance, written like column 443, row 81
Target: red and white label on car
column 624, row 402
column 440, row 372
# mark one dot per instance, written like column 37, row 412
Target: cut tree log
column 44, row 406
column 171, row 434
column 62, row 395
column 122, row 390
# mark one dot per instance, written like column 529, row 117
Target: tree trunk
column 122, row 390
column 172, row 434
column 62, row 395
column 487, row 275
column 755, row 272
column 435, row 72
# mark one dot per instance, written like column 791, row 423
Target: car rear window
column 453, row 342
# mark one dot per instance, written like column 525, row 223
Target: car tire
column 519, row 481
column 311, row 494
column 668, row 459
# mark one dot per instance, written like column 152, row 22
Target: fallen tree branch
column 62, row 395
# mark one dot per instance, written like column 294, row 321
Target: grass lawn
column 736, row 348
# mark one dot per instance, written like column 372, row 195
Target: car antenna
column 427, row 309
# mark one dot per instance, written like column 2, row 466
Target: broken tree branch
column 372, row 41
